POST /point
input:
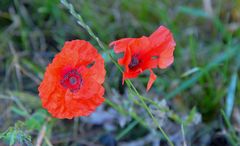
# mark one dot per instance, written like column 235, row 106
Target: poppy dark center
column 72, row 80
column 134, row 62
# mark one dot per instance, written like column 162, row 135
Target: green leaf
column 231, row 95
column 36, row 121
column 16, row 135
column 229, row 53
column 193, row 11
column 191, row 116
column 19, row 111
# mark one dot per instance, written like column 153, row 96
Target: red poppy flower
column 146, row 53
column 72, row 84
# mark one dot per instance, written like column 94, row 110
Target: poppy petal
column 140, row 45
column 126, row 58
column 165, row 62
column 149, row 62
column 121, row 45
column 164, row 46
column 90, row 89
column 132, row 74
column 152, row 79
column 158, row 36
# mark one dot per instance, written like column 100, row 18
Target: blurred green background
column 198, row 95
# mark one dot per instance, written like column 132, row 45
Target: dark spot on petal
column 90, row 64
column 72, row 80
column 134, row 62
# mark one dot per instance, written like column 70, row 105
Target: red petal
column 149, row 62
column 121, row 45
column 164, row 45
column 165, row 62
column 132, row 74
column 140, row 45
column 152, row 78
column 89, row 89
column 158, row 36
column 126, row 59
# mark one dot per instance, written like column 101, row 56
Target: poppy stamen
column 134, row 62
column 72, row 80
